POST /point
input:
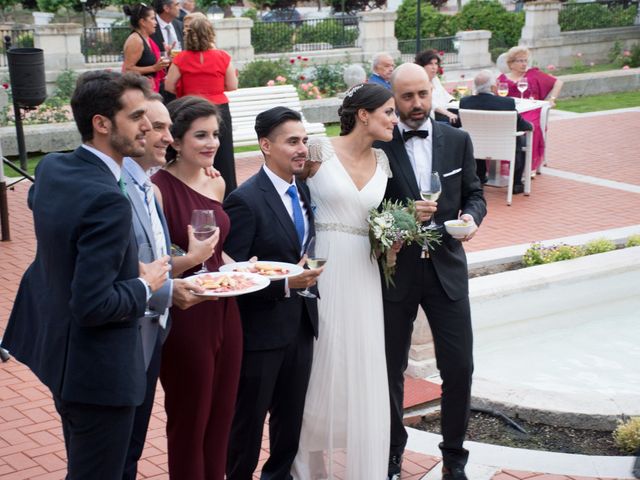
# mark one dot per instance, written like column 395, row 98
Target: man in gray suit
column 149, row 227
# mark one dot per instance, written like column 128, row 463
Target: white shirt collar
column 281, row 185
column 161, row 23
column 135, row 170
column 111, row 164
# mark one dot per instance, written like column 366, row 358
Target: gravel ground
column 489, row 429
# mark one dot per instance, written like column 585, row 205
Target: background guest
column 141, row 54
column 202, row 354
column 540, row 86
column 430, row 61
column 382, row 67
column 353, row 75
column 186, row 7
column 485, row 98
column 207, row 72
column 168, row 33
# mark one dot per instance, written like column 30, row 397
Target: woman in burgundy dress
column 203, row 70
column 540, row 86
column 203, row 351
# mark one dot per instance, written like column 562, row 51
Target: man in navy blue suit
column 486, row 99
column 74, row 321
column 278, row 325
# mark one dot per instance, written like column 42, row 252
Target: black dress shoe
column 395, row 467
column 453, row 473
column 518, row 189
column 484, row 179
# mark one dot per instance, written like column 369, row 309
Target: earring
column 366, row 123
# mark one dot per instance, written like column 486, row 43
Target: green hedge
column 580, row 16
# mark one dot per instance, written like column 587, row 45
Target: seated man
column 382, row 67
column 486, row 99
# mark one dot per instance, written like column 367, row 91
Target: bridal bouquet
column 396, row 223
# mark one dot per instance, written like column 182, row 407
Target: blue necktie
column 298, row 220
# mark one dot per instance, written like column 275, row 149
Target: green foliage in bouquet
column 396, row 223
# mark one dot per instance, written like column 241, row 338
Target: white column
column 540, row 21
column 61, row 45
column 233, row 35
column 377, row 33
column 473, row 48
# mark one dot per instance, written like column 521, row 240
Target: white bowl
column 458, row 228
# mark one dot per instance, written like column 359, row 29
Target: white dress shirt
column 168, row 36
column 420, row 150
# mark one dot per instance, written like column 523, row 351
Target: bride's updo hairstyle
column 364, row 95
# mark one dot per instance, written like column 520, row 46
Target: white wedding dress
column 345, row 430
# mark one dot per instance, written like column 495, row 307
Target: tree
column 354, row 6
column 4, row 5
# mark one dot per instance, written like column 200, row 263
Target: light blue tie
column 298, row 220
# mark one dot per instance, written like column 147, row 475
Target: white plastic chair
column 493, row 134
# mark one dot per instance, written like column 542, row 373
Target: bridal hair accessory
column 353, row 90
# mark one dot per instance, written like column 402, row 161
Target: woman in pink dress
column 541, row 86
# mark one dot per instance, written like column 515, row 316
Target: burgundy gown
column 202, row 354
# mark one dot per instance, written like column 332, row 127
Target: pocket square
column 452, row 172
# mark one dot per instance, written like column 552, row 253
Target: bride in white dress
column 345, row 430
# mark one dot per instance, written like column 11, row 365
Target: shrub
column 259, row 72
column 538, row 255
column 328, row 31
column 329, row 78
column 505, row 27
column 66, row 84
column 599, row 245
column 627, row 435
column 432, row 23
column 633, row 241
column 621, row 57
column 268, row 37
column 586, row 16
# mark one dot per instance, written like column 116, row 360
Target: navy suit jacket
column 75, row 318
column 159, row 39
column 261, row 226
column 453, row 159
column 160, row 299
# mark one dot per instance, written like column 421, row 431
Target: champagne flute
column 313, row 261
column 503, row 89
column 430, row 190
column 146, row 256
column 522, row 85
column 462, row 89
column 204, row 225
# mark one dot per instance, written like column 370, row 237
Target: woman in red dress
column 203, row 351
column 541, row 86
column 203, row 70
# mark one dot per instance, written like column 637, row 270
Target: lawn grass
column 596, row 103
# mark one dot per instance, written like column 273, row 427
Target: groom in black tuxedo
column 271, row 219
column 437, row 278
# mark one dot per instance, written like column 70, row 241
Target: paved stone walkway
column 604, row 147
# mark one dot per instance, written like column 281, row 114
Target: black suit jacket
column 488, row 101
column 75, row 318
column 261, row 226
column 159, row 39
column 461, row 193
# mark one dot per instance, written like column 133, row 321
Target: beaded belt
column 340, row 227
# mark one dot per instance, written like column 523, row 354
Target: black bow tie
column 407, row 134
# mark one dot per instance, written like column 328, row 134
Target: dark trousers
column 96, row 438
column 273, row 381
column 142, row 416
column 450, row 322
column 224, row 160
column 481, row 165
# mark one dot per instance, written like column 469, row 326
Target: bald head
column 484, row 81
column 412, row 91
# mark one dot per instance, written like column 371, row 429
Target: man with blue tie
column 271, row 219
column 150, row 227
column 75, row 322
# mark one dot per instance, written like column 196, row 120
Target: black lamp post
column 418, row 19
column 84, row 28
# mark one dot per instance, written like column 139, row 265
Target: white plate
column 292, row 267
column 258, row 282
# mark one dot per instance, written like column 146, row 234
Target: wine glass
column 522, row 85
column 146, row 255
column 204, row 225
column 462, row 89
column 503, row 89
column 430, row 189
column 313, row 261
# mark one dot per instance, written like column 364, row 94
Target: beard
column 126, row 147
column 414, row 123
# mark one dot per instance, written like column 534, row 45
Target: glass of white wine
column 146, row 255
column 462, row 89
column 522, row 85
column 204, row 225
column 503, row 89
column 313, row 261
column 430, row 190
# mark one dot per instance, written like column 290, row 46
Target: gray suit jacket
column 159, row 301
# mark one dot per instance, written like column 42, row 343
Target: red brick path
column 31, row 445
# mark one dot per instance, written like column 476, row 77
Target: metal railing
column 446, row 46
column 104, row 44
column 597, row 14
column 20, row 37
column 304, row 35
